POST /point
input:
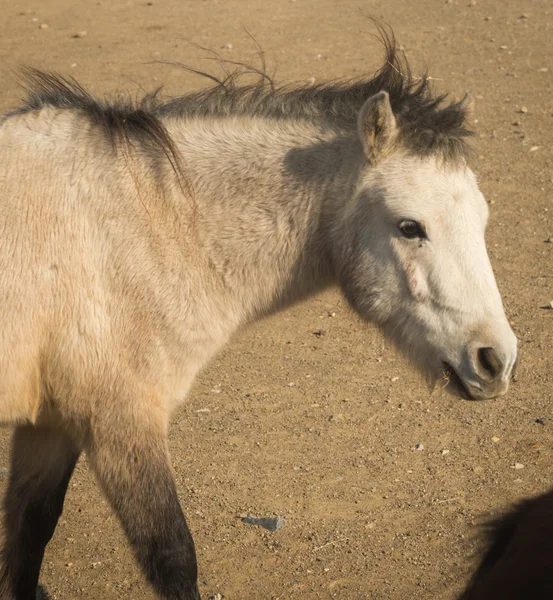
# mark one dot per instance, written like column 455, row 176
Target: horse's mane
column 429, row 125
column 122, row 119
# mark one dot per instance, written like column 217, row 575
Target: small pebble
column 518, row 466
column 43, row 26
column 320, row 332
column 495, row 439
column 534, row 148
column 444, row 452
column 311, row 80
column 215, row 596
column 270, row 523
column 523, row 110
column 419, row 447
column 34, row 20
column 80, row 34
column 226, row 47
column 541, row 420
column 549, row 240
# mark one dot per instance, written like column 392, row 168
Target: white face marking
column 436, row 294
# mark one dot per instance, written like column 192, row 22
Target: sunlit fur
column 436, row 298
column 136, row 240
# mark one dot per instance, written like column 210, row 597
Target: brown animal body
column 518, row 564
column 134, row 241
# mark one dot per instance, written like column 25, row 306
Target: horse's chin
column 454, row 384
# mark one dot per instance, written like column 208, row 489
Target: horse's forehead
column 428, row 184
column 428, row 173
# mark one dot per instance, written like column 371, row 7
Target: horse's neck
column 265, row 193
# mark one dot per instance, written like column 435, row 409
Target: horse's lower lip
column 453, row 380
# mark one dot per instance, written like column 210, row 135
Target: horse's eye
column 411, row 229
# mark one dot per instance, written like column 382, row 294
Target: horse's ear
column 378, row 126
column 469, row 105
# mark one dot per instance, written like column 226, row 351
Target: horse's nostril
column 489, row 363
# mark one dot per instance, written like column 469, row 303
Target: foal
column 135, row 240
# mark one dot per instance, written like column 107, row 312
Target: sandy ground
column 322, row 430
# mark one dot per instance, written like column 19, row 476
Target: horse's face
column 416, row 264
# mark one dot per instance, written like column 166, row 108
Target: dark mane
column 121, row 119
column 429, row 126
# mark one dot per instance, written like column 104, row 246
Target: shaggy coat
column 135, row 240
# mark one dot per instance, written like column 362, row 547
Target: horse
column 518, row 563
column 137, row 237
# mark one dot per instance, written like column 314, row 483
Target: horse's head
column 412, row 259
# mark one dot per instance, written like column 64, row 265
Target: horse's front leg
column 128, row 451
